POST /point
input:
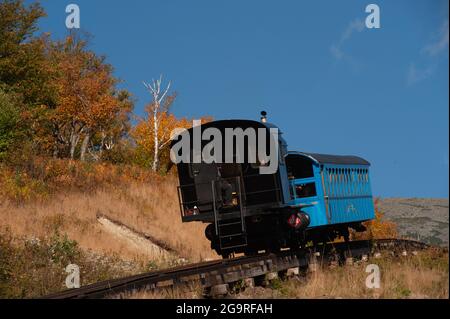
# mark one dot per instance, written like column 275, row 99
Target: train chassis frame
column 271, row 233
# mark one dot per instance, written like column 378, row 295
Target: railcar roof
column 333, row 159
column 234, row 123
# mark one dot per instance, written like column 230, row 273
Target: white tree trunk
column 158, row 97
column 155, row 140
column 74, row 139
column 84, row 146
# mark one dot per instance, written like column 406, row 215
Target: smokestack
column 264, row 117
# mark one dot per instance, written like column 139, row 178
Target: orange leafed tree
column 378, row 228
column 144, row 135
column 87, row 100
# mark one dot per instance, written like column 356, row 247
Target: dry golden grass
column 191, row 291
column 422, row 276
column 150, row 208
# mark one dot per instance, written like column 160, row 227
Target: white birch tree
column 158, row 106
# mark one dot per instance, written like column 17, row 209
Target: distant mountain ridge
column 424, row 219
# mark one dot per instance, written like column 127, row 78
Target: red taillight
column 298, row 220
column 294, row 221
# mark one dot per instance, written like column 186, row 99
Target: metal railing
column 240, row 190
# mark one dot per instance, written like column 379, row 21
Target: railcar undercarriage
column 272, row 233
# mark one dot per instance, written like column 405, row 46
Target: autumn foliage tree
column 23, row 64
column 65, row 95
column 378, row 228
column 111, row 140
column 10, row 131
column 88, row 104
column 144, row 136
column 25, row 73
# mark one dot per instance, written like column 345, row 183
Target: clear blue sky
column 331, row 85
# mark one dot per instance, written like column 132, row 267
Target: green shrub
column 9, row 123
column 33, row 268
column 63, row 250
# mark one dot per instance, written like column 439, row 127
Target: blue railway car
column 331, row 189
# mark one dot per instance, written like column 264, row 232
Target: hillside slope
column 425, row 219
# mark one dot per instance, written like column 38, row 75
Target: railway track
column 215, row 276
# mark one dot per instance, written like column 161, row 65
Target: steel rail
column 220, row 272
